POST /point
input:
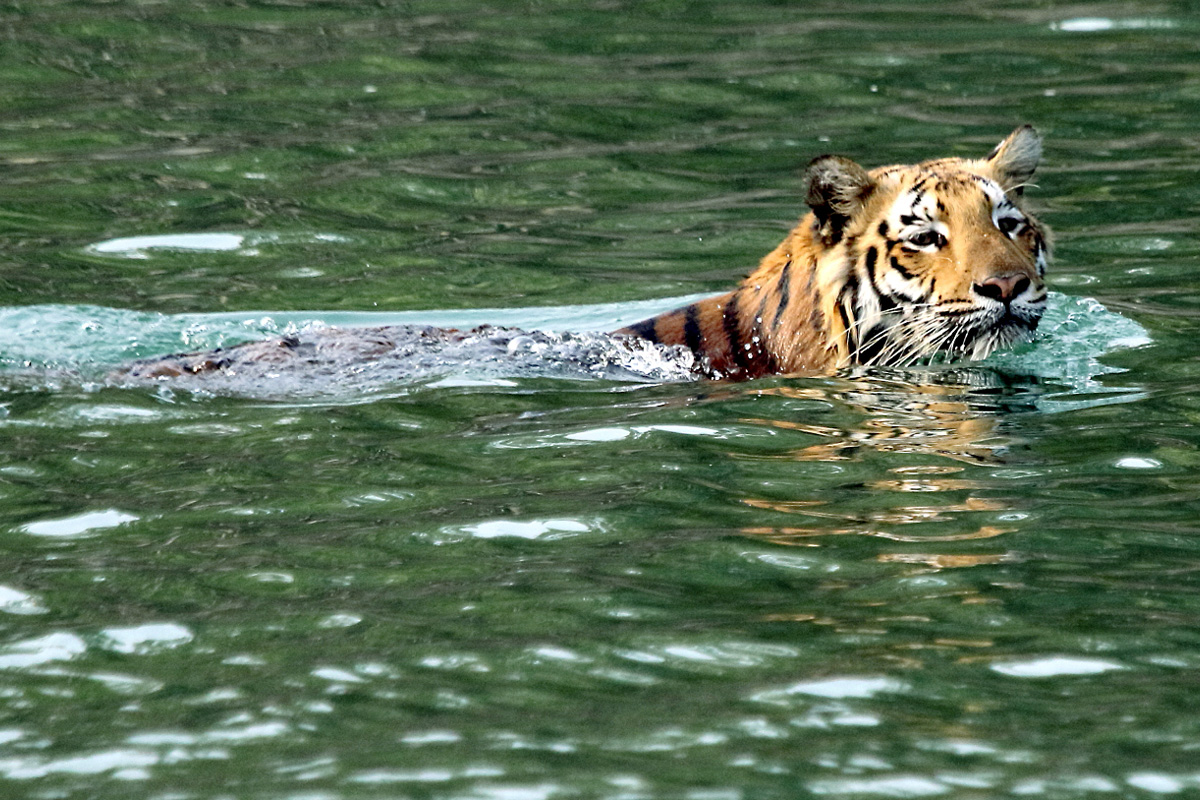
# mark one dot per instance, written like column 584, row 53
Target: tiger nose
column 1002, row 287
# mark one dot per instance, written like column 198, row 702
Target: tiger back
column 896, row 266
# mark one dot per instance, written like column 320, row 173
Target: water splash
column 308, row 354
column 359, row 361
column 1073, row 335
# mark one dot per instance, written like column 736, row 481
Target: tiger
column 893, row 267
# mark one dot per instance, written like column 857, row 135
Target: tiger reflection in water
column 951, row 429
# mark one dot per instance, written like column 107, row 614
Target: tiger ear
column 837, row 190
column 1014, row 160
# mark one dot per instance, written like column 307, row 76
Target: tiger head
column 932, row 261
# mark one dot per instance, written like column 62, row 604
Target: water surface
column 975, row 582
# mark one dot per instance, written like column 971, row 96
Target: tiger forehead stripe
column 994, row 191
column 917, row 207
column 924, row 205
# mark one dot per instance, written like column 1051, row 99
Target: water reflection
column 284, row 631
column 917, row 503
column 951, row 418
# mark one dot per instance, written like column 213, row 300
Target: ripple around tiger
column 328, row 359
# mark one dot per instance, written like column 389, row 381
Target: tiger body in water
column 892, row 267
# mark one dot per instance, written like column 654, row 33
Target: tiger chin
column 893, row 267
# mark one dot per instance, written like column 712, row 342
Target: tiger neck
column 790, row 316
column 803, row 308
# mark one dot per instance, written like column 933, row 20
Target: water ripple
column 540, row 529
column 1055, row 666
column 117, row 760
column 14, row 601
column 884, row 786
column 140, row 247
column 145, row 639
column 838, row 687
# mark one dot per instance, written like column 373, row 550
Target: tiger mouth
column 1006, row 331
column 946, row 339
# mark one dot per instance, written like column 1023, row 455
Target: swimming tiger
column 891, row 267
column 894, row 266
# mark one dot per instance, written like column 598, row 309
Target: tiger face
column 935, row 261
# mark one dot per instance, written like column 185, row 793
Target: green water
column 974, row 584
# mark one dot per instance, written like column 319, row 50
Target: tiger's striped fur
column 896, row 266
